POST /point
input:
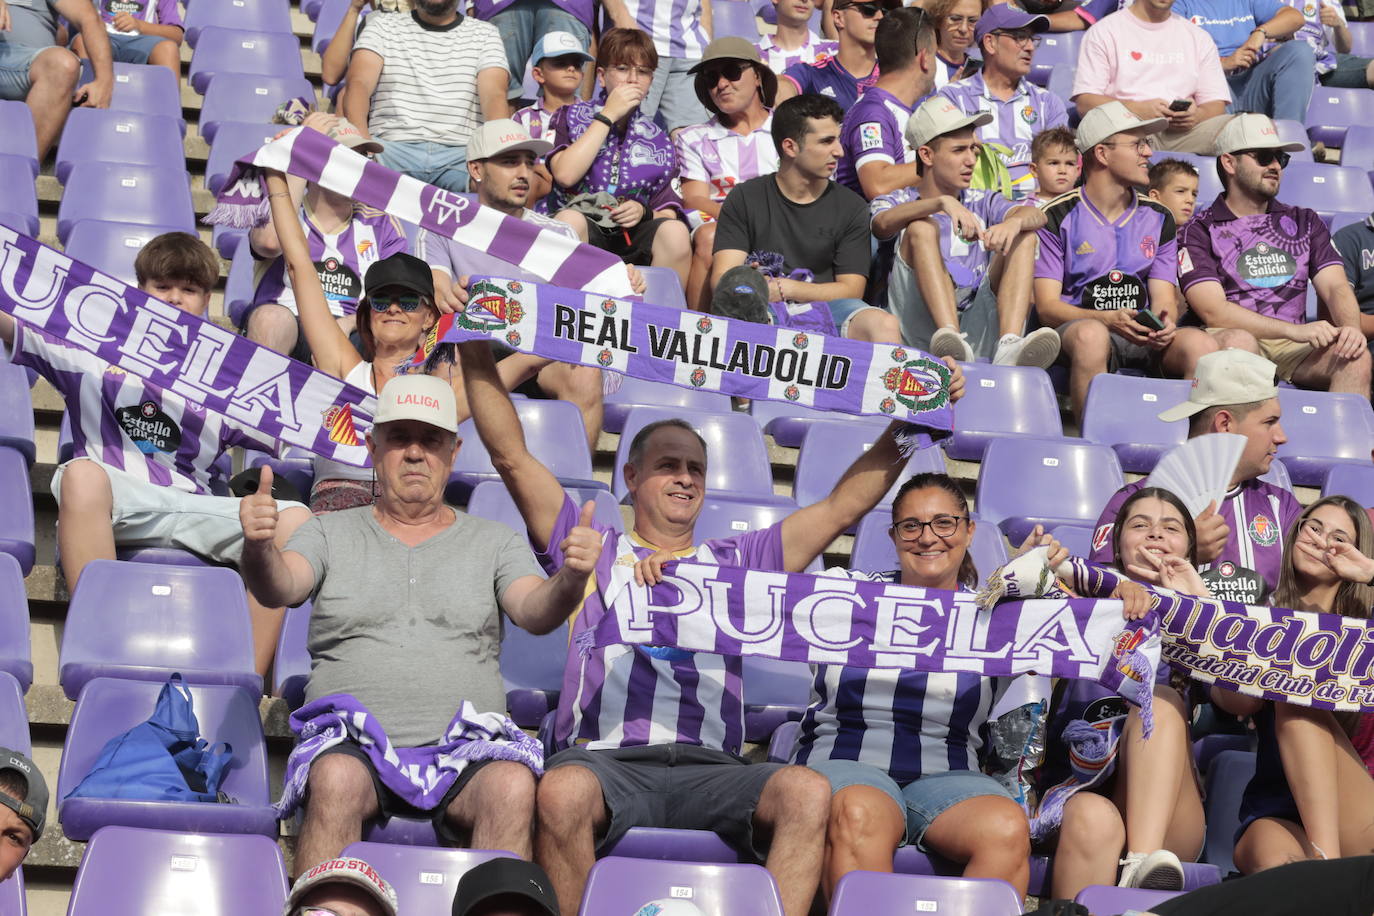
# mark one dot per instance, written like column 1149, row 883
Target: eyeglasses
column 955, row 21
column 1316, row 530
column 625, row 71
column 1141, row 146
column 406, row 303
column 731, row 71
column 1267, row 157
column 1022, row 38
column 909, row 529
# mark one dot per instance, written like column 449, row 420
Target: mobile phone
column 1148, row 319
column 1179, row 105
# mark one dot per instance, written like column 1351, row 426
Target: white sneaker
column 1161, row 870
column 1039, row 348
column 949, row 342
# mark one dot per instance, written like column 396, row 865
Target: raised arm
column 82, row 15
column 538, row 605
column 334, row 60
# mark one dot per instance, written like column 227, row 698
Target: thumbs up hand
column 258, row 513
column 582, row 547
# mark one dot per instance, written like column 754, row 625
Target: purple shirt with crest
column 637, row 162
column 1015, row 121
column 829, row 77
column 873, row 131
column 582, row 9
column 1103, row 264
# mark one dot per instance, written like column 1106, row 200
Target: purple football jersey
column 872, row 132
column 1104, row 264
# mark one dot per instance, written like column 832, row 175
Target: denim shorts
column 134, row 49
column 923, row 799
column 433, row 163
column 15, row 61
column 842, row 311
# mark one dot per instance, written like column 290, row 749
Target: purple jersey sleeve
column 1196, row 262
column 992, row 208
column 568, row 517
column 1049, row 264
column 169, row 13
column 1165, row 265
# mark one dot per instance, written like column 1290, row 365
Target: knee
column 673, row 236
column 1004, row 827
column 704, row 240
column 884, row 327
column 57, row 65
column 567, row 801
column 858, row 817
column 165, row 54
column 1088, row 341
column 509, row 787
column 1091, row 823
column 340, row 785
column 797, row 796
column 84, row 486
column 1235, row 338
column 1195, row 343
column 269, row 319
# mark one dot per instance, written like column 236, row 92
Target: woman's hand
column 1135, row 600
column 1174, row 573
column 1347, row 562
column 1041, row 538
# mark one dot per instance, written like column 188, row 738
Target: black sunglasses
column 867, row 10
column 406, row 303
column 1267, row 157
column 731, row 71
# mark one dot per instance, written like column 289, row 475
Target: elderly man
column 24, row 795
column 341, row 887
column 408, row 597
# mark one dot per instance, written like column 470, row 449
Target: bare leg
column 874, row 325
column 341, row 798
column 1088, row 345
column 1270, row 842
column 990, row 834
column 1235, row 338
column 582, row 386
column 863, row 833
column 52, row 78
column 574, row 219
column 273, row 326
column 85, row 530
column 699, row 280
column 1091, row 838
column 1013, row 277
column 673, row 248
column 792, row 812
column 1333, row 791
column 497, row 807
column 1188, row 346
column 167, row 54
column 920, row 248
column 571, row 812
column 1151, row 771
column 1324, row 369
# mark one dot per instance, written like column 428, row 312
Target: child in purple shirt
column 141, row 32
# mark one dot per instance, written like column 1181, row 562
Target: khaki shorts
column 1288, row 355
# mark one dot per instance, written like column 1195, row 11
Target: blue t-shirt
column 1229, row 22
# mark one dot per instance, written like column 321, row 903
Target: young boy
column 23, row 804
column 1054, row 163
column 141, row 32
column 559, row 61
column 1174, row 183
column 144, row 457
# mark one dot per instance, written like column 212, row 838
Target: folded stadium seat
column 425, row 879
column 102, row 135
column 1060, row 84
column 17, row 137
column 734, row 17
column 1225, row 783
column 1077, row 538
column 1295, row 131
column 671, row 845
column 1353, row 480
column 145, row 621
column 19, row 222
column 783, row 742
column 234, row 140
column 787, row 422
column 226, row 240
column 312, row 8
column 861, row 893
column 331, row 15
column 1328, row 189
column 296, row 466
column 619, row 885
column 16, row 411
column 1100, row 898
column 875, row 552
column 1337, row 222
column 239, row 287
column 1122, row 411
column 150, row 195
column 12, row 895
column 723, row 518
column 1209, row 185
column 999, row 402
column 634, row 392
column 1358, row 151
column 1058, row 50
column 1206, row 748
column 18, row 191
column 1324, row 430
column 736, row 457
column 15, row 658
column 553, row 433
column 1278, row 475
column 910, row 860
column 240, row 51
column 130, row 872
column 1025, row 482
column 291, row 664
column 532, row 668
column 109, row 706
column 16, row 509
column 491, row 500
column 248, row 15
column 1333, row 110
column 143, row 88
column 775, row 692
column 246, row 97
column 14, row 716
column 662, row 287
column 111, row 246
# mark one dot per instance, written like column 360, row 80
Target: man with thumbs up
column 408, row 597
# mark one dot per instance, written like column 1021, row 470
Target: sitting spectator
column 961, row 281
column 613, row 167
column 1174, row 183
column 341, row 887
column 43, row 76
column 505, row 887
column 334, row 59
column 679, row 38
column 148, row 33
column 1108, row 262
column 144, row 458
column 1336, row 66
column 345, row 238
column 422, row 83
column 1008, row 37
column 846, row 74
column 525, row 25
column 1278, row 82
column 955, row 23
column 794, row 42
column 736, row 144
column 557, row 63
column 1247, row 259
column 876, row 158
column 1355, row 243
column 1054, row 164
column 410, row 586
column 1154, row 61
column 807, row 232
column 24, row 795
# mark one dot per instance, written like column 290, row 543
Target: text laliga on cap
column 418, row 397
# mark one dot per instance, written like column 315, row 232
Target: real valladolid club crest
column 698, row 376
column 791, row 392
column 490, row 307
column 800, row 341
column 605, row 357
column 608, row 306
column 703, row 324
column 918, row 384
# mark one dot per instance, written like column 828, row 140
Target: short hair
column 939, row 9
column 626, row 46
column 636, row 453
column 16, row 785
column 1201, row 422
column 900, row 34
column 1161, row 172
column 177, row 256
column 1053, row 138
column 792, row 119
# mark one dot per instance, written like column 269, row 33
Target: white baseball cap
column 1225, row 378
column 1253, row 131
column 1113, row 118
column 344, row 871
column 500, row 135
column 418, row 397
column 557, row 44
column 938, row 116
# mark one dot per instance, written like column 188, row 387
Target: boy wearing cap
column 961, row 282
column 1008, row 37
column 794, row 42
column 341, row 887
column 24, row 797
column 847, row 74
column 1245, row 263
column 559, row 61
column 1105, row 275
column 1240, row 542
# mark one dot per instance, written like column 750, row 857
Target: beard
column 436, row 7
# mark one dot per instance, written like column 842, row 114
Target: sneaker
column 949, row 342
column 1161, row 870
column 1039, row 348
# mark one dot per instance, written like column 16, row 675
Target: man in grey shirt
column 408, row 594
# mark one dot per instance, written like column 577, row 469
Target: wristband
column 604, row 120
column 1370, row 582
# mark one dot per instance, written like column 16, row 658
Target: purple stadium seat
column 1025, row 482
column 911, row 861
column 734, row 17
column 400, row 831
column 783, row 742
column 736, row 458
column 297, row 466
column 18, row 192
column 1332, row 110
column 1077, row 538
column 111, row 706
column 786, row 422
column 19, row 222
column 1206, row 748
column 291, row 665
column 233, row 140
column 331, row 15
column 1358, row 151
column 16, row 509
column 1297, row 132
column 723, row 517
column 1057, row 51
column 1353, row 480
column 831, row 446
column 875, row 552
column 244, row 97
column 154, row 196
column 121, row 614
column 1225, row 783
column 311, row 8
column 618, row 885
column 635, row 392
column 16, row 411
column 1001, row 401
column 1209, row 185
column 662, row 287
column 131, row 872
column 1362, row 40
column 14, row 718
column 1328, row 189
column 774, row 692
column 161, row 556
column 102, row 135
column 251, row 15
column 1100, row 898
column 670, row 845
column 240, row 51
column 17, row 136
column 532, row 667
column 226, row 240
column 238, row 286
column 15, row 658
column 1324, row 430
column 1338, row 222
column 12, row 895
column 143, row 88
column 111, row 246
column 425, row 879
column 860, row 893
column 1278, row 475
column 1123, row 411
column 553, row 433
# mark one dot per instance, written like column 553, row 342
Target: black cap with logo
column 505, row 877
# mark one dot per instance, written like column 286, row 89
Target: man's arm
column 1146, row 109
column 1335, row 293
column 491, row 93
column 844, row 286
column 1208, row 299
column 1067, row 21
column 787, row 88
column 723, row 260
column 364, row 70
column 97, row 93
column 882, row 177
column 887, row 223
column 276, row 577
column 619, row 14
column 696, row 195
column 538, row 605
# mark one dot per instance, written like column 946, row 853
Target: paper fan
column 1199, row 471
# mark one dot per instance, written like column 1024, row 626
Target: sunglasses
column 867, row 10
column 406, row 303
column 731, row 71
column 1267, row 157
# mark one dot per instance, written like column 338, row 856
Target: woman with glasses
column 955, row 24
column 1311, row 796
column 613, row 166
column 901, row 748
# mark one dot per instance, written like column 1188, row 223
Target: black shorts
column 675, row 785
column 391, row 805
column 640, row 247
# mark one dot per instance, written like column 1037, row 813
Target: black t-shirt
column 828, row 236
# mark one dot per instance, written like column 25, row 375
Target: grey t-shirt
column 410, row 632
column 33, row 23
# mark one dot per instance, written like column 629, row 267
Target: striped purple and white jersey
column 906, row 723
column 126, row 423
column 582, row 9
column 631, row 696
column 715, row 154
column 946, row 72
column 674, row 25
column 779, row 59
column 1015, row 122
column 535, row 119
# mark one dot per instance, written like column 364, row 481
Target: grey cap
column 33, row 807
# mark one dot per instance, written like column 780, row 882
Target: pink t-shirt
column 1127, row 58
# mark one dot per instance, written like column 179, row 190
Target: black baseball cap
column 400, row 271
column 742, row 293
column 505, row 877
column 33, row 807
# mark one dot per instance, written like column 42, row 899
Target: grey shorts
column 15, row 61
column 675, row 785
column 1124, row 354
column 978, row 319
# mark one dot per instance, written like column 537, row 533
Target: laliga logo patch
column 919, row 384
column 1262, row 530
column 339, row 421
